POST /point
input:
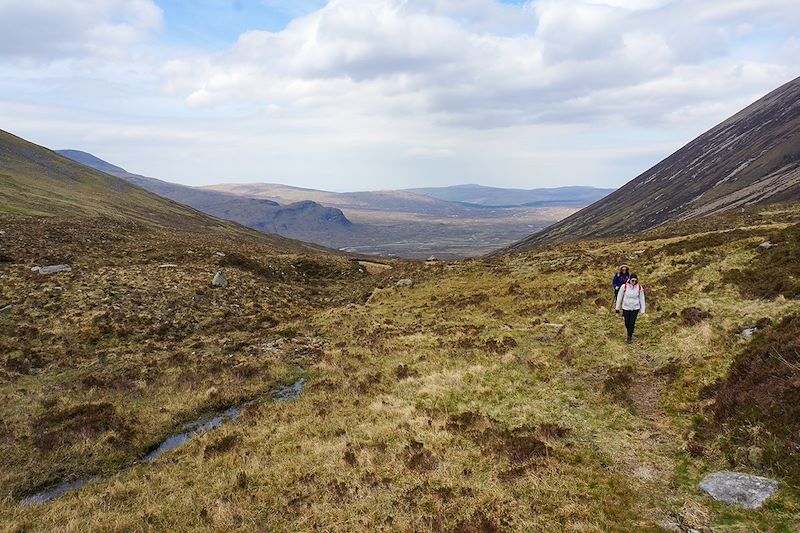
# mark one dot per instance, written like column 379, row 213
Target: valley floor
column 490, row 395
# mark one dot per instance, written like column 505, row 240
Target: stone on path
column 53, row 269
column 405, row 282
column 736, row 488
column 220, row 280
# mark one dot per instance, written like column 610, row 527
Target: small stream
column 190, row 429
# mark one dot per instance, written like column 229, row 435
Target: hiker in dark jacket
column 620, row 278
column 631, row 301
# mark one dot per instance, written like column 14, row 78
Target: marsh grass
column 492, row 395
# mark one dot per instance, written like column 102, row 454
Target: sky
column 387, row 94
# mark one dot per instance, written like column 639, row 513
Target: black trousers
column 630, row 320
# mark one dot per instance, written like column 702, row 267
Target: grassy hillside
column 306, row 221
column 36, row 181
column 749, row 159
column 491, row 395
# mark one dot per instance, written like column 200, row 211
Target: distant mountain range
column 301, row 220
column 499, row 197
column 752, row 158
column 395, row 223
column 36, row 181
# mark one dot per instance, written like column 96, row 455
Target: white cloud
column 53, row 29
column 430, row 57
column 466, row 90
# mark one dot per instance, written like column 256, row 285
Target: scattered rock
column 736, row 488
column 432, row 259
column 6, row 308
column 553, row 325
column 220, row 254
column 764, row 246
column 748, row 332
column 52, row 269
column 220, row 280
column 35, row 269
column 405, row 282
column 168, row 265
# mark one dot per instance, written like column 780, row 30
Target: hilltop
column 35, row 181
column 301, row 220
column 389, row 223
column 749, row 159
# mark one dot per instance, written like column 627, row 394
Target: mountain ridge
column 305, row 221
column 750, row 158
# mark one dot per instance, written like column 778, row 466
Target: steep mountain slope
column 498, row 197
column 751, row 158
column 39, row 182
column 304, row 220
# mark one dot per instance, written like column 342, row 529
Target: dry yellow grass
column 492, row 395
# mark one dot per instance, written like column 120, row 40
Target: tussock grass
column 492, row 395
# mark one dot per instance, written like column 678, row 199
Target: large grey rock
column 220, row 280
column 405, row 282
column 54, row 269
column 6, row 308
column 736, row 488
column 764, row 246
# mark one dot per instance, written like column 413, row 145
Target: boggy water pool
column 190, row 430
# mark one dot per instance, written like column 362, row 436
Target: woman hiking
column 620, row 278
column 630, row 299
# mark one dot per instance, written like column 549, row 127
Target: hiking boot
column 630, row 340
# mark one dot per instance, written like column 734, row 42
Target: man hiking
column 630, row 298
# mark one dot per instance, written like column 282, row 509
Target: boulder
column 405, row 282
column 764, row 246
column 740, row 489
column 53, row 269
column 220, row 280
column 7, row 308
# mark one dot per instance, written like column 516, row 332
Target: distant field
column 418, row 235
column 411, row 225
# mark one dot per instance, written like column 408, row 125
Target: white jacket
column 630, row 297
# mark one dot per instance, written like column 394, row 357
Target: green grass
column 492, row 395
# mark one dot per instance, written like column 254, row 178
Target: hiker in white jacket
column 631, row 299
